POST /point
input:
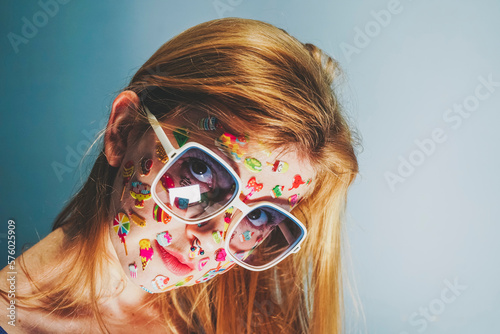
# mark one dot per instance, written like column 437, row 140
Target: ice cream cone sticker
column 128, row 171
column 146, row 252
column 121, row 225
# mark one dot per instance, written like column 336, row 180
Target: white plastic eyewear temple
column 236, row 202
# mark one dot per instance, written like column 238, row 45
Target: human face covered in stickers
column 160, row 253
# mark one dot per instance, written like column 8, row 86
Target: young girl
column 215, row 205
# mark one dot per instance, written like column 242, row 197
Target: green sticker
column 253, row 165
column 181, row 136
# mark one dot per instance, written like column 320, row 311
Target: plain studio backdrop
column 421, row 83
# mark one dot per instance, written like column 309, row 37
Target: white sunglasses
column 195, row 185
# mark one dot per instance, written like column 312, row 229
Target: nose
column 208, row 236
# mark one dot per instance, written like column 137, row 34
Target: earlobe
column 119, row 125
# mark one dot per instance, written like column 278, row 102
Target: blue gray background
column 421, row 216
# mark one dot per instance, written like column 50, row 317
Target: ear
column 119, row 125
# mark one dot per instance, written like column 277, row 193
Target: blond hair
column 250, row 75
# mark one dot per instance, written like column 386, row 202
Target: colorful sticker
column 146, row 165
column 277, row 191
column 161, row 216
column 214, row 272
column 133, row 270
column 184, row 281
column 141, row 192
column 146, row 252
column 245, row 236
column 147, row 290
column 240, row 255
column 164, row 238
column 202, row 263
column 217, row 235
column 128, row 171
column 253, row 165
column 297, row 181
column 138, row 220
column 293, row 200
column 161, row 154
column 279, row 166
column 220, row 255
column 181, row 136
column 160, row 282
column 167, row 182
column 227, row 220
column 232, row 146
column 121, row 225
column 209, row 123
column 254, row 187
column 196, row 249
column 181, row 203
column 208, row 276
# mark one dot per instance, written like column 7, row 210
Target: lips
column 173, row 261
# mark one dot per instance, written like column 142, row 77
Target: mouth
column 174, row 262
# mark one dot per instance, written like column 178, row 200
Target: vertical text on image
column 11, row 274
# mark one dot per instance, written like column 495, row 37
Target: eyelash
column 202, row 224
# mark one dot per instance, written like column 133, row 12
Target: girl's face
column 160, row 253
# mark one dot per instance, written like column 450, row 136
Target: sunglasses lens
column 264, row 235
column 196, row 185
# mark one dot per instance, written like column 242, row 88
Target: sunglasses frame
column 173, row 154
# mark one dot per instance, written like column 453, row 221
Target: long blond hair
column 251, row 75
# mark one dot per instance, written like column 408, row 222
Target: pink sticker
column 133, row 270
column 227, row 220
column 146, row 252
column 220, row 255
column 293, row 200
column 164, row 238
column 202, row 263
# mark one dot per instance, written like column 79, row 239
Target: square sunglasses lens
column 196, row 185
column 264, row 235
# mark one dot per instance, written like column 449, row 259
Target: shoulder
column 15, row 282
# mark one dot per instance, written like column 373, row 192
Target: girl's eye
column 200, row 170
column 258, row 217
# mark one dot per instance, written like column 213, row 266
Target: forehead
column 277, row 176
